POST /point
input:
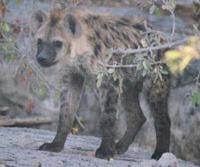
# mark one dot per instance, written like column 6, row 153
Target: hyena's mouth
column 47, row 64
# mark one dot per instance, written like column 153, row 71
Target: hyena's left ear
column 37, row 20
column 73, row 25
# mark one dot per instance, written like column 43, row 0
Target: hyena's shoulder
column 105, row 31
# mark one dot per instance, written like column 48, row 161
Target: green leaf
column 111, row 70
column 43, row 91
column 9, row 58
column 144, row 73
column 196, row 98
column 160, row 75
column 147, row 66
column 18, row 2
column 56, row 95
column 109, row 56
column 139, row 67
column 5, row 27
column 99, row 79
column 115, row 76
column 164, row 72
column 152, row 9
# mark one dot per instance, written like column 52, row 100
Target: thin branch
column 79, row 121
column 170, row 6
column 140, row 50
column 38, row 73
column 198, row 80
column 77, row 3
column 127, row 65
column 173, row 24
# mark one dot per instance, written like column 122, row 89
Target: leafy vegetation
column 178, row 59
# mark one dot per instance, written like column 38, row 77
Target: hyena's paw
column 121, row 148
column 156, row 155
column 51, row 147
column 105, row 152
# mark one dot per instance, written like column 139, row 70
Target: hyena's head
column 54, row 33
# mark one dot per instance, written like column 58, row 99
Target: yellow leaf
column 74, row 130
column 193, row 40
column 173, row 68
column 172, row 55
column 184, row 63
column 178, row 60
column 189, row 51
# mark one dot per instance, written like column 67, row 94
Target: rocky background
column 25, row 99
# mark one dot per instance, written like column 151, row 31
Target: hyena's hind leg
column 157, row 97
column 135, row 117
column 109, row 97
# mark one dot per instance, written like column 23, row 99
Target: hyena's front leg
column 107, row 122
column 70, row 97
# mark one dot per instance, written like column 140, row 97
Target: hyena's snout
column 46, row 53
column 44, row 60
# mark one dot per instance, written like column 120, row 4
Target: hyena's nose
column 41, row 59
column 45, row 60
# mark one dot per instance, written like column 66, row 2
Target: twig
column 170, row 5
column 60, row 5
column 77, row 3
column 173, row 24
column 126, row 159
column 25, row 121
column 140, row 50
column 38, row 73
column 198, row 80
column 127, row 65
column 3, row 110
column 48, row 84
column 79, row 121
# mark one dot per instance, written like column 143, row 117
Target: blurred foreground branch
column 8, row 122
column 140, row 50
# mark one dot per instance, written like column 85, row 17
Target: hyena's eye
column 39, row 42
column 58, row 44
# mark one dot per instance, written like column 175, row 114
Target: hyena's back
column 106, row 32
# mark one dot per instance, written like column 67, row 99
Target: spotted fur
column 77, row 41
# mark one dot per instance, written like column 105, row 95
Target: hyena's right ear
column 37, row 19
column 73, row 25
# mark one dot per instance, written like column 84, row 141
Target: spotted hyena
column 79, row 42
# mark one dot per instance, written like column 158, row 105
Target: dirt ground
column 19, row 148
